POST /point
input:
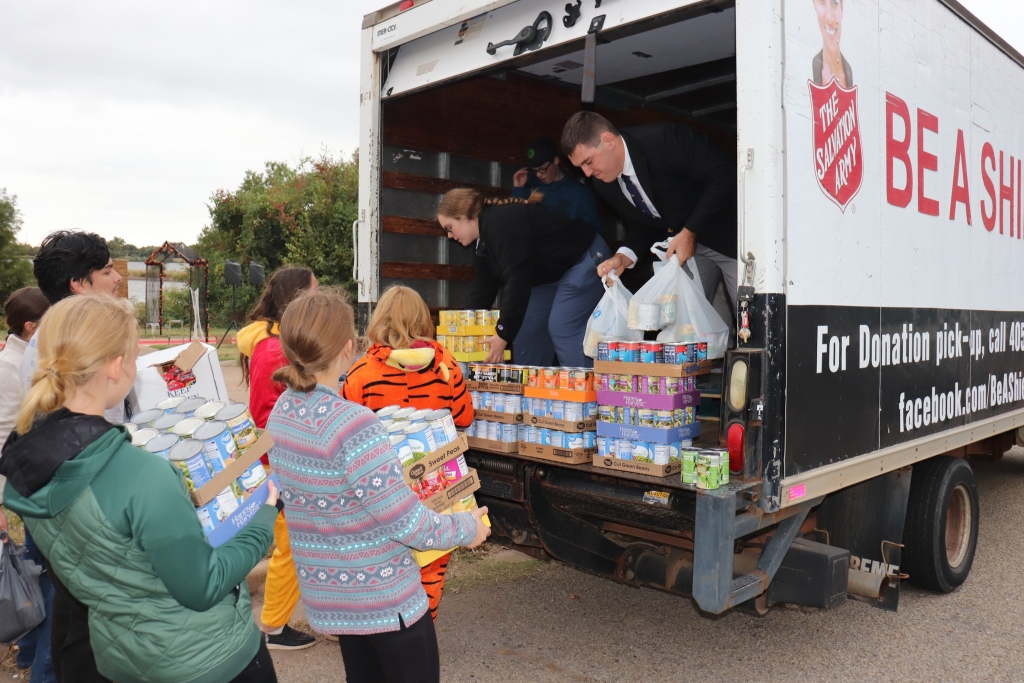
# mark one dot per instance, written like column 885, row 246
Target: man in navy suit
column 665, row 181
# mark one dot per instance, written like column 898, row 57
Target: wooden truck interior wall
column 474, row 133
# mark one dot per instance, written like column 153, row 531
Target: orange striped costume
column 413, row 377
column 384, row 377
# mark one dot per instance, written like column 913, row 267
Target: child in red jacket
column 405, row 366
column 259, row 347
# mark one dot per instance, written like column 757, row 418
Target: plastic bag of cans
column 705, row 468
column 669, row 353
column 647, row 417
column 640, row 451
column 644, row 384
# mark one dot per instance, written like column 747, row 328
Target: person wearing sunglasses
column 561, row 192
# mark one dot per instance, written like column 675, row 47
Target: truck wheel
column 941, row 529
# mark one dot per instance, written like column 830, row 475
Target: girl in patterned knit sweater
column 405, row 366
column 351, row 518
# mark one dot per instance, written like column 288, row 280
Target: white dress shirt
column 627, row 169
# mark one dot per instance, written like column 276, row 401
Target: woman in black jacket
column 544, row 260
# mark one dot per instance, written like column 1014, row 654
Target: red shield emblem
column 837, row 148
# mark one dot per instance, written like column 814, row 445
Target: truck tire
column 941, row 530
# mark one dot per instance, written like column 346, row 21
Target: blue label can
column 557, row 438
column 624, row 449
column 209, row 516
column 588, row 439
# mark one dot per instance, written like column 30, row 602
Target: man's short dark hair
column 585, row 128
column 68, row 255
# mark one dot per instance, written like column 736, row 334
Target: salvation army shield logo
column 836, row 140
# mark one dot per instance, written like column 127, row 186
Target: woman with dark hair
column 259, row 347
column 545, row 262
column 23, row 310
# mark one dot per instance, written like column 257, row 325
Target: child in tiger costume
column 405, row 366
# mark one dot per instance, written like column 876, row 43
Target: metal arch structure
column 198, row 278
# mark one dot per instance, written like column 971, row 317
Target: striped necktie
column 638, row 199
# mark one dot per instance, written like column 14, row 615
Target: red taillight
column 734, row 442
column 408, row 4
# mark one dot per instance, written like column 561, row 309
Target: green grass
column 470, row 568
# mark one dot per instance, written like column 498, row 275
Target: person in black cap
column 561, row 192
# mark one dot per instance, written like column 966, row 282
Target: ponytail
column 77, row 338
column 296, row 377
column 536, row 197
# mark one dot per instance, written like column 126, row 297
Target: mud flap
column 867, row 519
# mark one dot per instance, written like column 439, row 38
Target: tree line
column 299, row 214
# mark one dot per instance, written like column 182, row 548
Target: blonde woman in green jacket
column 115, row 522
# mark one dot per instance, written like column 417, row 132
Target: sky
column 122, row 118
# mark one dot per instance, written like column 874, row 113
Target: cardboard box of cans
column 232, row 471
column 496, row 387
column 569, row 456
column 639, row 467
column 648, row 434
column 654, row 369
column 415, row 470
column 649, row 401
column 587, row 425
column 186, row 371
column 504, row 418
column 493, row 446
column 431, row 451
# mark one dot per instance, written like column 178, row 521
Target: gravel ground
column 563, row 625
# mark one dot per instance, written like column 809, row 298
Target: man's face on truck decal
column 830, row 21
column 604, row 162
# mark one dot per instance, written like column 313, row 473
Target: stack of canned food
column 647, row 417
column 643, row 384
column 510, row 404
column 414, row 433
column 460, row 342
column 640, row 451
column 201, row 438
column 670, row 353
column 567, row 411
column 463, row 318
column 706, row 468
column 569, row 379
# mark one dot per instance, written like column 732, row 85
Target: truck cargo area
column 474, row 130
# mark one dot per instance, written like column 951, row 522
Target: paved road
column 563, row 625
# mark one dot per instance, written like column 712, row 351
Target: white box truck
column 878, row 148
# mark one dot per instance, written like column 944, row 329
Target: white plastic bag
column 608, row 320
column 697, row 320
column 653, row 307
